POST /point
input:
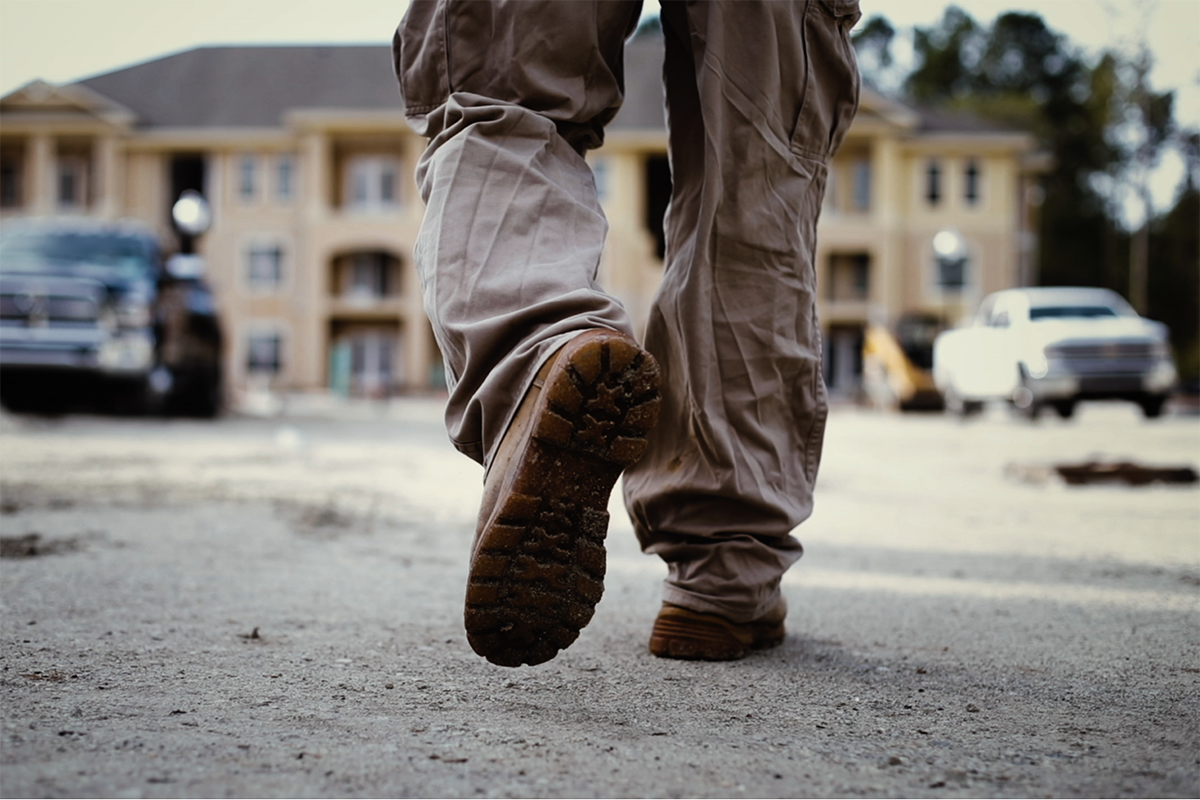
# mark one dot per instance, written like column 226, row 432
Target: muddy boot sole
column 537, row 572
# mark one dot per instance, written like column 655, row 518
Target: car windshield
column 1072, row 312
column 121, row 255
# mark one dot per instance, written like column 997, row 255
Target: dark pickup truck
column 89, row 310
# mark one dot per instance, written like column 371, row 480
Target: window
column 372, row 183
column 951, row 260
column 369, row 275
column 971, row 183
column 264, row 266
column 849, row 276
column 247, row 178
column 10, row 182
column 371, row 363
column 72, row 182
column 933, row 183
column 952, row 274
column 366, row 276
column 862, row 184
column 366, row 360
column 1072, row 312
column 285, row 177
column 843, row 359
column 264, row 353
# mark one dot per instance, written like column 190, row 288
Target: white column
column 107, row 171
column 886, row 210
column 313, row 205
column 41, row 174
column 315, row 173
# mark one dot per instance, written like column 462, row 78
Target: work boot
column 537, row 565
column 682, row 633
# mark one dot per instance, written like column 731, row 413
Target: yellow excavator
column 898, row 364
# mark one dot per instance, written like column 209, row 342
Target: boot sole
column 538, row 571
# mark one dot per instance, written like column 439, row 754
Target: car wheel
column 207, row 404
column 131, row 397
column 195, row 392
column 1024, row 400
column 204, row 398
column 1152, row 407
column 1064, row 408
column 956, row 404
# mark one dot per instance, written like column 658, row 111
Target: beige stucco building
column 306, row 160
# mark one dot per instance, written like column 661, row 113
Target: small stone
column 972, row 708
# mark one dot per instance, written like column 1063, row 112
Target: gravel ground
column 272, row 607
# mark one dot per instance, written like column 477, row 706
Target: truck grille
column 52, row 308
column 1094, row 350
column 1105, row 358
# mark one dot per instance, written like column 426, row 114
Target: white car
column 1041, row 347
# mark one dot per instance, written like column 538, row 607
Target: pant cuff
column 746, row 606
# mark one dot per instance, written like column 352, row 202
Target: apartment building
column 306, row 160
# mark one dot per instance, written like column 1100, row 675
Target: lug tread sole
column 538, row 573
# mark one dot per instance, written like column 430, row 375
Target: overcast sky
column 65, row 40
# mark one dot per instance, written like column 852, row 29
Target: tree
column 1021, row 73
column 873, row 43
column 1173, row 286
column 942, row 53
column 1148, row 125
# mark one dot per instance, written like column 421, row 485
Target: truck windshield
column 1071, row 312
column 120, row 255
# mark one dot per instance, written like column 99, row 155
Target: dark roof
column 255, row 86
column 251, row 86
column 944, row 120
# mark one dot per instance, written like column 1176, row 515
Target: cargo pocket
column 831, row 78
column 843, row 8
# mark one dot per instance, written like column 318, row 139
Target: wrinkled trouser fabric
column 759, row 96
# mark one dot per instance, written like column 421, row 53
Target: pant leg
column 759, row 96
column 510, row 94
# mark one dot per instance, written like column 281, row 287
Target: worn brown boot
column 537, row 566
column 682, row 633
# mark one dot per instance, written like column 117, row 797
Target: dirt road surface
column 272, row 607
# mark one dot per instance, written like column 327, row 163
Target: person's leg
column 548, row 389
column 759, row 97
column 510, row 94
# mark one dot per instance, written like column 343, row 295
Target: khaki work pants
column 759, row 96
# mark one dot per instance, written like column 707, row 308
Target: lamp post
column 950, row 258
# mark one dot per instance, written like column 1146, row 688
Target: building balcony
column 367, row 306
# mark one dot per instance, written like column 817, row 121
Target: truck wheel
column 132, row 397
column 1064, row 408
column 205, row 401
column 208, row 402
column 956, row 404
column 1023, row 398
column 1152, row 407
